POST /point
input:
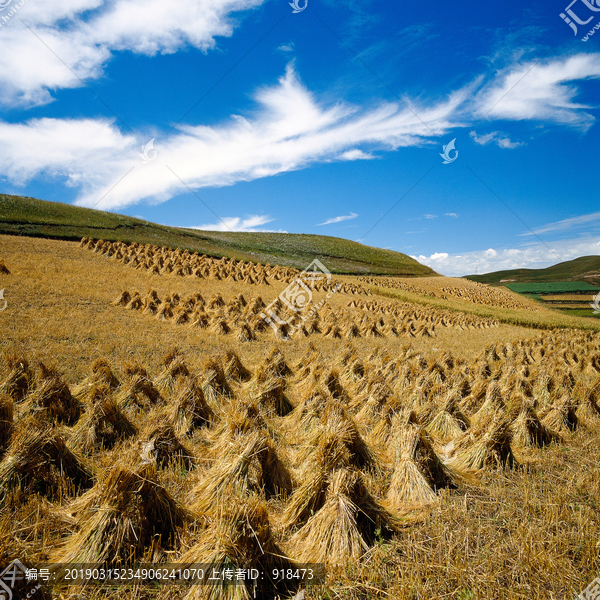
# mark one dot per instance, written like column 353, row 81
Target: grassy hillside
column 38, row 218
column 584, row 268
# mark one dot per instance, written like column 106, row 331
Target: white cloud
column 339, row 219
column 453, row 215
column 497, row 137
column 565, row 224
column 237, row 224
column 85, row 33
column 534, row 256
column 287, row 47
column 430, row 216
column 289, row 130
column 539, row 92
column 355, row 154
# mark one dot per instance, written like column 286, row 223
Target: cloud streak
column 565, row 224
column 251, row 223
column 339, row 219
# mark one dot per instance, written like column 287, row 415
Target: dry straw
column 121, row 517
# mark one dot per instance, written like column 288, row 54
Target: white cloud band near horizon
column 533, row 256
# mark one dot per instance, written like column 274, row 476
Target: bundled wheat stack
column 101, row 374
column 188, row 408
column 418, row 472
column 586, row 396
column 483, row 447
column 215, row 382
column 448, row 423
column 19, row 379
column 6, row 421
column 37, row 459
column 268, row 392
column 344, row 527
column 238, row 473
column 53, row 398
column 160, row 443
column 138, row 391
column 173, row 367
column 239, row 537
column 527, row 430
column 103, row 424
column 560, row 418
column 123, row 516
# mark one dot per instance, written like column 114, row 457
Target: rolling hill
column 584, row 268
column 39, row 218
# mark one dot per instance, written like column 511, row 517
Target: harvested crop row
column 348, row 449
column 436, row 287
column 159, row 260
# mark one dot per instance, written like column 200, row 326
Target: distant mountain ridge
column 584, row 268
column 39, row 218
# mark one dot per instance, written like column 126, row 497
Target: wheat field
column 148, row 414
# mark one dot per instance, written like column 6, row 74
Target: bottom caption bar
column 173, row 574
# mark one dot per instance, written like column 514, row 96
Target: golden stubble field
column 462, row 465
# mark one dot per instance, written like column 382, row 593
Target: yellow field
column 416, row 450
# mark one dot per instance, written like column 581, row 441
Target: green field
column 555, row 287
column 38, row 218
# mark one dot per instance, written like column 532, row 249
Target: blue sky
column 330, row 120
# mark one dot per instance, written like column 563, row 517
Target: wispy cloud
column 498, row 138
column 534, row 256
column 286, row 47
column 430, row 216
column 339, row 219
column 453, row 215
column 86, row 33
column 565, row 224
column 251, row 223
column 289, row 129
column 546, row 95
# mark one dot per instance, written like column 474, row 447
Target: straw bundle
column 189, row 408
column 19, row 379
column 239, row 537
column 236, row 474
column 561, row 417
column 586, row 397
column 6, row 421
column 270, row 394
column 52, row 396
column 160, row 443
column 417, row 471
column 123, row 515
column 481, row 448
column 173, row 367
column 215, row 382
column 122, row 300
column 344, row 527
column 527, row 430
column 138, row 392
column 102, row 424
column 38, row 459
